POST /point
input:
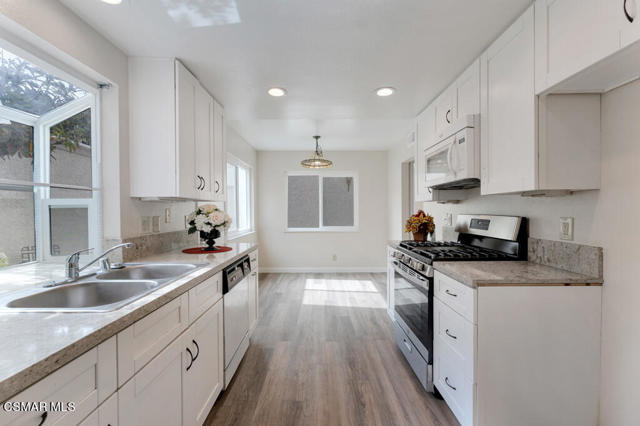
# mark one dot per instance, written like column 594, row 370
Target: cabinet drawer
column 456, row 390
column 83, row 382
column 204, row 295
column 143, row 340
column 457, row 296
column 458, row 334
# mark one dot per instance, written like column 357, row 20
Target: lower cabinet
column 180, row 385
column 154, row 395
column 86, row 381
column 203, row 377
column 105, row 415
column 254, row 292
column 518, row 354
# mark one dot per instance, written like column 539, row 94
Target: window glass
column 70, row 150
column 27, row 87
column 337, row 201
column 16, row 150
column 303, row 202
column 69, row 230
column 243, row 198
column 17, row 233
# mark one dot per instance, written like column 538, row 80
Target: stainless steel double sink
column 99, row 293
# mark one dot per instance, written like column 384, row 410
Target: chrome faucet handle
column 72, row 263
column 105, row 265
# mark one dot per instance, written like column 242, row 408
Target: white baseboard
column 323, row 269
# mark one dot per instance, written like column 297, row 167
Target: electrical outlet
column 448, row 219
column 566, row 228
column 167, row 215
column 155, row 223
column 334, row 257
column 145, row 224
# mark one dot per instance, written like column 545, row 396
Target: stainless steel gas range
column 480, row 237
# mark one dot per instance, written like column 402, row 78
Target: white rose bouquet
column 208, row 220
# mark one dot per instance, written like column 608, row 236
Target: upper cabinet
column 570, row 36
column 461, row 98
column 531, row 143
column 586, row 45
column 178, row 128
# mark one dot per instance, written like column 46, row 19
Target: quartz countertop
column 477, row 274
column 36, row 344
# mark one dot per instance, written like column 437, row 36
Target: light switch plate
column 155, row 223
column 448, row 219
column 566, row 228
column 145, row 222
column 167, row 215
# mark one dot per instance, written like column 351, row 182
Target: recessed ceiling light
column 277, row 92
column 112, row 1
column 385, row 91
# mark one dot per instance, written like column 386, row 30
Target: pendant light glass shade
column 317, row 161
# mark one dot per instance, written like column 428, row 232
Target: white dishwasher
column 235, row 288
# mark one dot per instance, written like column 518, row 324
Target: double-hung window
column 239, row 196
column 49, row 162
column 322, row 201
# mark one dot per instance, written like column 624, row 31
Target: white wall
column 361, row 250
column 607, row 218
column 241, row 149
column 74, row 46
column 399, row 153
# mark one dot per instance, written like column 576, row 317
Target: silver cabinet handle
column 450, row 294
column 446, row 380
column 449, row 334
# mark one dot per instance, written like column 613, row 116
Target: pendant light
column 317, row 161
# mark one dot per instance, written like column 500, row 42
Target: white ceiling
column 330, row 55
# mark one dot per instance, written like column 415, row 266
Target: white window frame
column 236, row 162
column 323, row 174
column 41, row 181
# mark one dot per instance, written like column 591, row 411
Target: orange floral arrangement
column 420, row 222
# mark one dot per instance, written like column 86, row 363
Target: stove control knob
column 406, row 259
column 419, row 266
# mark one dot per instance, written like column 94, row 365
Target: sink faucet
column 72, row 263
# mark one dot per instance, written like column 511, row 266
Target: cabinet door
column 154, row 395
column 445, row 112
column 186, row 88
column 468, row 91
column 204, row 144
column 425, row 138
column 204, row 378
column 85, row 382
column 509, row 106
column 626, row 14
column 105, row 415
column 219, row 160
column 253, row 300
column 571, row 35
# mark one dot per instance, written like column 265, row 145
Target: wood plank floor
column 323, row 354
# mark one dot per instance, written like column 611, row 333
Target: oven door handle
column 413, row 280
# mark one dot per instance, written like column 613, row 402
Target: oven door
column 413, row 304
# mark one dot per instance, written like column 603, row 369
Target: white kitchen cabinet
column 468, row 91
column 178, row 128
column 85, row 381
column 105, row 415
column 253, row 300
column 508, row 354
column 508, row 130
column 390, row 274
column 204, row 295
column 219, row 159
column 154, row 395
column 571, row 35
column 626, row 15
column 533, row 144
column 144, row 339
column 445, row 112
column 425, row 138
column 203, row 379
